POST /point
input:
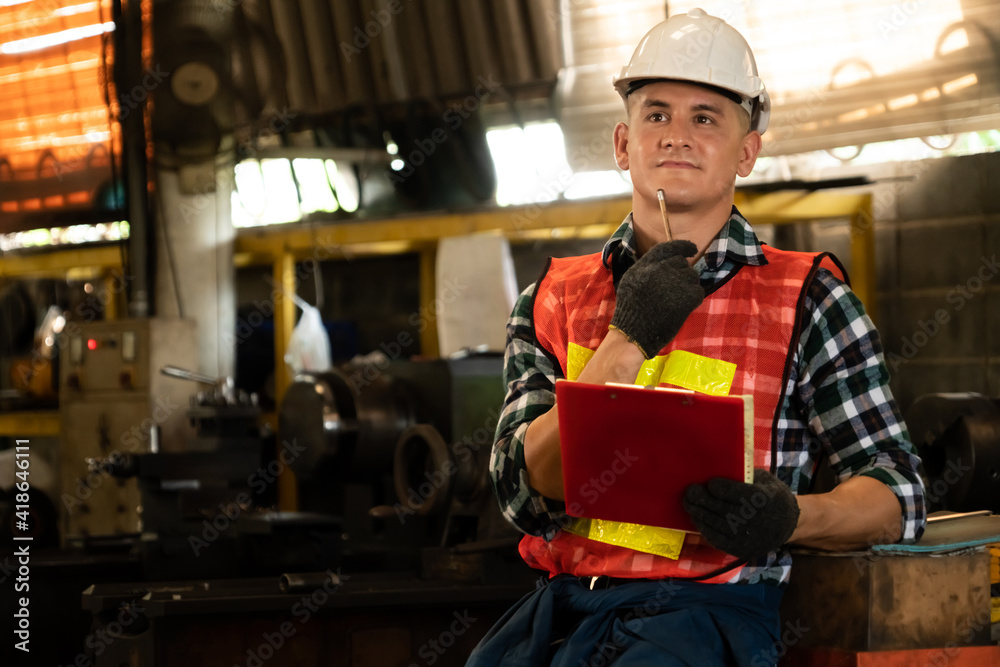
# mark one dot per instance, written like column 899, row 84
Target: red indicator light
column 91, row 344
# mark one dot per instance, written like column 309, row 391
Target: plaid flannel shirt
column 837, row 403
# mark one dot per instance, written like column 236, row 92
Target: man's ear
column 621, row 146
column 749, row 150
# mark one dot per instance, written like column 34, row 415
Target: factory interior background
column 256, row 261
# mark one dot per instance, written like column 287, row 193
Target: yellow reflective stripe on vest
column 650, row 371
column 648, row 539
column 698, row 373
column 688, row 370
column 680, row 368
column 577, row 357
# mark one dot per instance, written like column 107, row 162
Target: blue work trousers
column 669, row 622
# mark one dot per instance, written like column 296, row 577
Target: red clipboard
column 629, row 452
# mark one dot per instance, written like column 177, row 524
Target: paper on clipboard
column 629, row 452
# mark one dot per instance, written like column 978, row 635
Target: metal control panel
column 114, row 401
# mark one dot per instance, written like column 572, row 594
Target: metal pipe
column 128, row 75
column 184, row 374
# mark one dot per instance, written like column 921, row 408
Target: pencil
column 663, row 212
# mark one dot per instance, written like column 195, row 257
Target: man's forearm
column 857, row 514
column 615, row 360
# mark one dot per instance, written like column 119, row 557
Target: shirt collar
column 736, row 242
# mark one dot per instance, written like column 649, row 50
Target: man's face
column 687, row 140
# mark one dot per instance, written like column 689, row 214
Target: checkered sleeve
column 844, row 386
column 530, row 375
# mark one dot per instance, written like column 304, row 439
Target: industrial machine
column 191, row 498
column 408, row 443
column 958, row 438
column 398, row 550
column 391, row 468
column 113, row 401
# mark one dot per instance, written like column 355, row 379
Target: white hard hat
column 702, row 49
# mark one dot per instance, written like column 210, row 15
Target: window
column 275, row 191
column 532, row 168
column 57, row 130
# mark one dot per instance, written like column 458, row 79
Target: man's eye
column 656, row 116
column 703, row 120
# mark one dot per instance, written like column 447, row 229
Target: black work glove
column 656, row 295
column 744, row 520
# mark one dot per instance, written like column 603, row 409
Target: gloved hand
column 744, row 520
column 656, row 295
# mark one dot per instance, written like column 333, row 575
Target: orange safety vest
column 752, row 320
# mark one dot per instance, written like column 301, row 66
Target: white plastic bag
column 309, row 348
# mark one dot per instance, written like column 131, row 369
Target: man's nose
column 675, row 135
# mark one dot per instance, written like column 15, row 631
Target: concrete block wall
column 941, row 305
column 937, row 234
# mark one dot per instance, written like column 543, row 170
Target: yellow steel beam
column 863, row 256
column 570, row 219
column 429, row 343
column 111, row 283
column 595, row 218
column 284, row 286
column 515, row 222
column 244, row 259
column 35, row 423
column 789, row 206
column 58, row 262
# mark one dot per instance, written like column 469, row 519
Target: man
column 802, row 346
